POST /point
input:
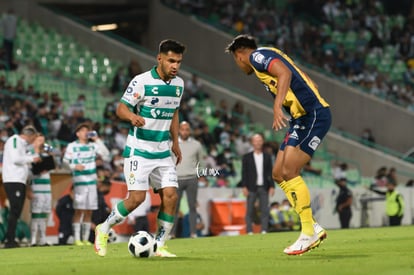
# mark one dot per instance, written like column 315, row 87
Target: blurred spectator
column 380, row 179
column 340, row 170
column 119, row 81
column 77, row 107
column 394, row 203
column 205, row 136
column 225, row 163
column 242, row 145
column 109, row 111
column 257, row 182
column 117, row 164
column 15, row 173
column 362, row 29
column 199, row 225
column 193, row 88
column 210, row 158
column 225, row 137
column 121, row 136
column 343, row 203
column 289, row 218
column 367, row 137
column 274, row 219
column 392, row 176
column 64, row 211
column 271, row 147
column 187, row 173
column 40, row 194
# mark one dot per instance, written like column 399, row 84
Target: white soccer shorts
column 141, row 173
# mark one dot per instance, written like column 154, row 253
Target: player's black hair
column 171, row 45
column 241, row 41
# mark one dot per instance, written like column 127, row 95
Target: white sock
column 76, row 231
column 86, row 229
column 33, row 230
column 114, row 218
column 163, row 231
column 42, row 231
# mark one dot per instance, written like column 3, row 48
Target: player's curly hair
column 241, row 41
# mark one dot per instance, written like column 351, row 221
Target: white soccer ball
column 142, row 245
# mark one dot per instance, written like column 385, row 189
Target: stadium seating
column 63, row 55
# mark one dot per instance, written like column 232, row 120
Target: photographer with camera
column 80, row 156
column 16, row 169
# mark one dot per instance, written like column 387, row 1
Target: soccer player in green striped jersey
column 80, row 156
column 150, row 104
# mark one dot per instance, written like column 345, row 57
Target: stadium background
column 353, row 110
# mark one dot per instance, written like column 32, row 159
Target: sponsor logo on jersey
column 129, row 90
column 177, row 91
column 167, row 114
column 294, row 135
column 155, row 100
column 136, row 95
column 155, row 113
column 155, row 90
column 258, row 57
column 314, row 143
column 134, row 83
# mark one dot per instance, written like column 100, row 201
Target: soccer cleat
column 163, row 252
column 87, row 243
column 303, row 244
column 78, row 243
column 101, row 241
column 322, row 235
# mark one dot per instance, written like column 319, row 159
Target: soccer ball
column 112, row 236
column 142, row 245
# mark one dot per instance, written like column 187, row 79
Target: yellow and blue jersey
column 302, row 97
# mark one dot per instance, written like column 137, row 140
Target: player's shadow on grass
column 181, row 259
column 326, row 256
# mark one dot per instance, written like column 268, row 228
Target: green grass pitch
column 387, row 250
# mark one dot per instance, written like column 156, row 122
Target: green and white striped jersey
column 85, row 154
column 156, row 101
column 41, row 183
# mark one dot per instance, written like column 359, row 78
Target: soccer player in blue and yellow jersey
column 309, row 121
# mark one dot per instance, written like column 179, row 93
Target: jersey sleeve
column 133, row 93
column 262, row 59
column 68, row 157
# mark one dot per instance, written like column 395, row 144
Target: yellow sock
column 285, row 187
column 301, row 203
